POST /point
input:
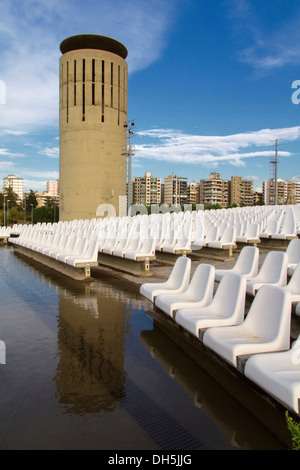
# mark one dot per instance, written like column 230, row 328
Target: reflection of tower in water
column 90, row 374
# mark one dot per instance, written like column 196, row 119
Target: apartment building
column 241, row 191
column 175, row 190
column 146, row 189
column 214, row 191
column 193, row 193
column 288, row 192
column 14, row 183
column 53, row 188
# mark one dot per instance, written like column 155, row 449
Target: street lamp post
column 8, row 201
column 130, row 153
column 4, row 215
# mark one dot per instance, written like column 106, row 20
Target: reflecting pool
column 86, row 368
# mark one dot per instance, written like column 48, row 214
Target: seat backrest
column 274, row 268
column 252, row 230
column 294, row 283
column 202, row 282
column 229, row 235
column 293, row 251
column 230, row 296
column 181, row 272
column 247, row 261
column 270, row 313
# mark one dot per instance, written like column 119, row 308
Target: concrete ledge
column 276, row 244
column 78, row 274
column 140, row 267
column 253, row 242
column 170, row 258
column 224, row 254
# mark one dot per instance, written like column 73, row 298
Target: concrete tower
column 92, row 115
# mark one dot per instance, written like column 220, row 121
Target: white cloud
column 12, row 132
column 34, row 185
column 174, row 146
column 48, row 175
column 268, row 49
column 50, row 152
column 31, row 32
column 7, row 153
column 6, row 165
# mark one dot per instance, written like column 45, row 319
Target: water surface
column 86, row 368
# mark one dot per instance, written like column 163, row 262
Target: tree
column 29, row 204
column 11, row 198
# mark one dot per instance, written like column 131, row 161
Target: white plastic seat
column 288, row 229
column 245, row 265
column 265, row 329
column 278, row 374
column 227, row 307
column 72, row 248
column 293, row 285
column 79, row 251
column 132, row 245
column 271, row 228
column 146, row 249
column 212, row 235
column 198, row 233
column 251, row 234
column 293, row 253
column 273, row 271
column 228, row 238
column 177, row 282
column 198, row 294
column 89, row 256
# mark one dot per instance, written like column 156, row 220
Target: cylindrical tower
column 92, row 115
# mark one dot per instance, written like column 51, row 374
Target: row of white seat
column 75, row 247
column 175, row 232
column 219, row 321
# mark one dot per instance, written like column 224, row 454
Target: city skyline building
column 175, row 190
column 15, row 184
column 146, row 189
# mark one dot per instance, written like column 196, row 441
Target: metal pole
column 31, row 214
column 276, row 160
column 8, row 211
column 4, row 215
column 130, row 133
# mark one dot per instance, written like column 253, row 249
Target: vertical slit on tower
column 119, row 84
column 83, row 89
column 67, row 91
column 102, row 98
column 74, row 82
column 111, row 84
column 93, row 81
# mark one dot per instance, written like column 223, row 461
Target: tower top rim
column 93, row 41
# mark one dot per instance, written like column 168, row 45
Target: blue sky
column 210, row 84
